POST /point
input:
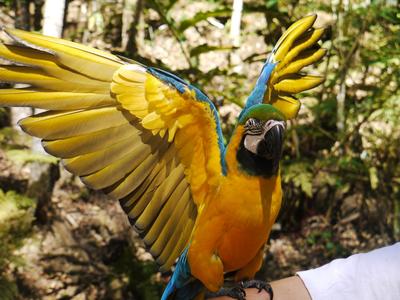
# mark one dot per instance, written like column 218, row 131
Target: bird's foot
column 258, row 284
column 236, row 292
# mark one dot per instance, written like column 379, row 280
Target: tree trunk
column 235, row 22
column 341, row 97
column 38, row 15
column 53, row 17
column 131, row 17
column 22, row 16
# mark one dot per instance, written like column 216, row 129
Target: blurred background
column 341, row 165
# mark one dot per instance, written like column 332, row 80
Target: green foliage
column 4, row 116
column 325, row 239
column 7, row 3
column 24, row 156
column 16, row 217
column 202, row 16
column 299, row 173
column 139, row 274
column 10, row 138
column 204, row 48
column 8, row 289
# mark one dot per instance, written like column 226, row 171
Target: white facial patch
column 251, row 141
column 271, row 123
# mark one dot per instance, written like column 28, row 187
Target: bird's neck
column 252, row 187
column 231, row 151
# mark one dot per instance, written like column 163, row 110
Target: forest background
column 341, row 171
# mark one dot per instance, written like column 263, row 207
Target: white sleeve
column 367, row 276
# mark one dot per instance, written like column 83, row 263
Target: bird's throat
column 256, row 165
column 242, row 161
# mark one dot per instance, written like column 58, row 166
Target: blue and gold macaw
column 153, row 141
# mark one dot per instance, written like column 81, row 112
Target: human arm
column 367, row 276
column 284, row 289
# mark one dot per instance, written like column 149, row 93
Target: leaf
column 170, row 4
column 300, row 175
column 271, row 3
column 25, row 156
column 16, row 217
column 165, row 5
column 8, row 289
column 389, row 14
column 204, row 48
column 373, row 177
column 201, row 16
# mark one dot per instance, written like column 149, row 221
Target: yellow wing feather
column 48, row 63
column 297, row 48
column 166, row 111
column 85, row 60
column 119, row 128
column 53, row 100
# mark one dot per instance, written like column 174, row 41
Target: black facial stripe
column 254, row 131
column 254, row 164
column 269, row 151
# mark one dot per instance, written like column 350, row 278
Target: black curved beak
column 269, row 143
column 271, row 146
column 259, row 153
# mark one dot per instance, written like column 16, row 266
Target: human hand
column 251, row 294
column 285, row 289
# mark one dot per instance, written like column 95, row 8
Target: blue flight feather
column 182, row 285
column 180, row 85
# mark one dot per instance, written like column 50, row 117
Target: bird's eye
column 252, row 122
column 253, row 126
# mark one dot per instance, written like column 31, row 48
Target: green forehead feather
column 261, row 112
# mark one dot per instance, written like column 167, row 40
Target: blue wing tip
column 168, row 290
column 180, row 276
column 257, row 94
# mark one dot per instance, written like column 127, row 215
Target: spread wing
column 281, row 77
column 141, row 135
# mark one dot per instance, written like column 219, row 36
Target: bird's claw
column 258, row 284
column 236, row 292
